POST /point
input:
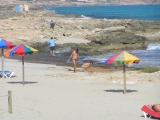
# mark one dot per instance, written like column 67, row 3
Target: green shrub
column 150, row 69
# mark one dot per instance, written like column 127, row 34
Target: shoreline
column 62, row 59
column 92, row 36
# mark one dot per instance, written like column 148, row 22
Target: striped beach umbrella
column 21, row 50
column 123, row 58
column 4, row 44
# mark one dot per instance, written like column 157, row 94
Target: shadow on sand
column 20, row 82
column 148, row 116
column 120, row 91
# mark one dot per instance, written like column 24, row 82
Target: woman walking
column 74, row 57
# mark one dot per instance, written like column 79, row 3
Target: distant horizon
column 106, row 4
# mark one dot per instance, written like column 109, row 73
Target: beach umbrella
column 123, row 58
column 4, row 44
column 21, row 50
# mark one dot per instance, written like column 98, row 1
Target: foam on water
column 153, row 46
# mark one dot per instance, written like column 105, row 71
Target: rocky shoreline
column 92, row 36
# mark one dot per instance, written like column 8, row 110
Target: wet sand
column 62, row 59
column 46, row 58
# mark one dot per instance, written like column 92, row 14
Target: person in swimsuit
column 74, row 57
column 88, row 66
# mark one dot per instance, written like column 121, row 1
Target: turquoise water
column 140, row 12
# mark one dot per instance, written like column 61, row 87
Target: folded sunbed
column 149, row 112
column 7, row 74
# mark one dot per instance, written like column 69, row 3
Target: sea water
column 140, row 12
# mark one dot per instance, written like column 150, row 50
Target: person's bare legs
column 74, row 64
column 52, row 52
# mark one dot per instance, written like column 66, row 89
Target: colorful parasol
column 21, row 50
column 4, row 44
column 123, row 58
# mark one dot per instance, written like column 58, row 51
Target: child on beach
column 74, row 57
column 52, row 45
column 87, row 66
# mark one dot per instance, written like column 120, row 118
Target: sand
column 52, row 92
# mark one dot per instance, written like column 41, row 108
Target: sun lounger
column 149, row 112
column 7, row 74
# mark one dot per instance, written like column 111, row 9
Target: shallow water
column 148, row 58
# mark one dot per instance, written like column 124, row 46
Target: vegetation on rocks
column 150, row 69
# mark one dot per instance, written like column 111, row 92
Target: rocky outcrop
column 118, row 37
column 90, row 35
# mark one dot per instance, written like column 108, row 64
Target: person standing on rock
column 52, row 46
column 52, row 24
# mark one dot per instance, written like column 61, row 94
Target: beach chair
column 149, row 112
column 7, row 74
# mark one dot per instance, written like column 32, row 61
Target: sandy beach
column 53, row 92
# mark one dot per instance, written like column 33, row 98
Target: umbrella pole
column 23, row 69
column 124, row 77
column 2, row 63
